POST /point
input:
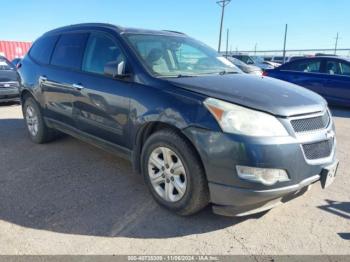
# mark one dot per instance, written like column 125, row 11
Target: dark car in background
column 198, row 130
column 248, row 69
column 328, row 76
column 16, row 61
column 9, row 81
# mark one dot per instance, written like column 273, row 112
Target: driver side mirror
column 116, row 69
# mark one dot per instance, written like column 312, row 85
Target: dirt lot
column 68, row 197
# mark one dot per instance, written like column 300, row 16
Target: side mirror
column 116, row 69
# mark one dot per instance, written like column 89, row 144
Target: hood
column 8, row 76
column 273, row 64
column 265, row 65
column 248, row 68
column 251, row 68
column 262, row 93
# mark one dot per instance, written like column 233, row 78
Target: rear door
column 337, row 85
column 101, row 107
column 58, row 80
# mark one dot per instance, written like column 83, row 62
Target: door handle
column 77, row 87
column 42, row 79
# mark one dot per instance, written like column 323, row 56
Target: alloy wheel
column 167, row 174
column 32, row 120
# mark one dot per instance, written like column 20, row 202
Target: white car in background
column 250, row 61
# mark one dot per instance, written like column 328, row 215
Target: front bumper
column 241, row 202
column 9, row 94
column 231, row 195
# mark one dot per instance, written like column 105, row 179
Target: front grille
column 318, row 150
column 8, row 84
column 311, row 124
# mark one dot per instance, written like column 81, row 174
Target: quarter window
column 69, row 50
column 42, row 49
column 100, row 51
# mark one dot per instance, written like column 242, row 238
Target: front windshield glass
column 247, row 60
column 236, row 61
column 258, row 59
column 175, row 56
column 4, row 65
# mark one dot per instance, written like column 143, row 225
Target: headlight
column 240, row 120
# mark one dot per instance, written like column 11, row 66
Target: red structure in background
column 14, row 49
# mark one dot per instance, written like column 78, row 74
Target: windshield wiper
column 224, row 72
column 180, row 75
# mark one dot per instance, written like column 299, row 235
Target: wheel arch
column 25, row 93
column 145, row 131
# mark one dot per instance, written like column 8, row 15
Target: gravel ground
column 68, row 197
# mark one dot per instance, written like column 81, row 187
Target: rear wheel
column 37, row 129
column 174, row 173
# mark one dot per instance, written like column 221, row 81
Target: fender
column 152, row 108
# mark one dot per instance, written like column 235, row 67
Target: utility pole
column 222, row 4
column 255, row 47
column 336, row 44
column 285, row 43
column 227, row 36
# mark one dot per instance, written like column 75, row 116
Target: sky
column 311, row 23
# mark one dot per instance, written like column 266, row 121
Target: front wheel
column 174, row 173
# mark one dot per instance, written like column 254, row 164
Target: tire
column 193, row 193
column 41, row 133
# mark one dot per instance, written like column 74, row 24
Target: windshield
column 173, row 56
column 236, row 61
column 5, row 65
column 258, row 59
column 247, row 60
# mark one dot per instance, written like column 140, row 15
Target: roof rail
column 176, row 32
column 72, row 26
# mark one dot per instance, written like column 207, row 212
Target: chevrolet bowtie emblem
column 330, row 134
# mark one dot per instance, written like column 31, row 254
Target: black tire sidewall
column 39, row 137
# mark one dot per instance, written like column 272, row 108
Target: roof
column 116, row 28
column 323, row 57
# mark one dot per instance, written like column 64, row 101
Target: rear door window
column 69, row 50
column 345, row 69
column 42, row 49
column 334, row 67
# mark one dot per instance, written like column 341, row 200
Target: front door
column 101, row 103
